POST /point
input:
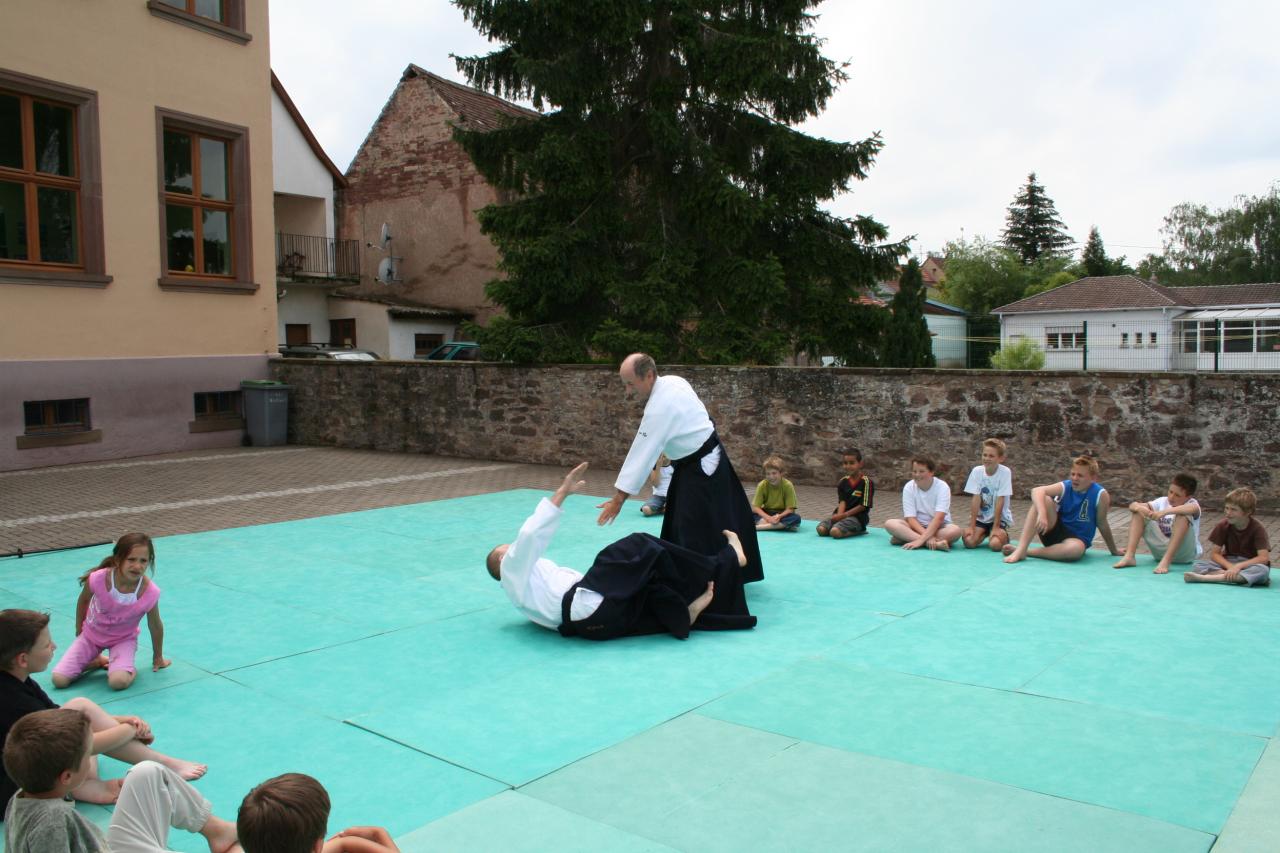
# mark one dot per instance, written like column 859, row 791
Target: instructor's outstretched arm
column 570, row 485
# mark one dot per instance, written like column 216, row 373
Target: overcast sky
column 1123, row 109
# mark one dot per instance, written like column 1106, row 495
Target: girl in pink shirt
column 114, row 598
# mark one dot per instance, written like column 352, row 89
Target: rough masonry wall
column 1225, row 429
column 410, row 173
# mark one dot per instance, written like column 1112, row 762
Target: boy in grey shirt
column 48, row 754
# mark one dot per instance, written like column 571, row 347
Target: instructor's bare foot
column 1125, row 563
column 700, row 603
column 186, row 769
column 736, row 544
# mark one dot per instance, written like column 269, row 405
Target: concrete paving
column 75, row 505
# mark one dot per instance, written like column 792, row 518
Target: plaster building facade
column 136, row 261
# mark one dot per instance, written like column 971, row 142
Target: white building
column 1123, row 322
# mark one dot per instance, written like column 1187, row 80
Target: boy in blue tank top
column 1066, row 515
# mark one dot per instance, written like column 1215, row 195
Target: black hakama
column 647, row 585
column 701, row 506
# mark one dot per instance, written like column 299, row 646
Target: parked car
column 455, row 351
column 326, row 351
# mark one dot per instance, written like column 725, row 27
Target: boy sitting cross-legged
column 854, row 495
column 49, row 754
column 926, row 511
column 1241, row 547
column 1066, row 515
column 1170, row 525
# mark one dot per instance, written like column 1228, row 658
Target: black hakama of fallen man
column 700, row 506
column 647, row 585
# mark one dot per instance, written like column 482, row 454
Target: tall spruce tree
column 1094, row 258
column 664, row 200
column 907, row 342
column 1032, row 227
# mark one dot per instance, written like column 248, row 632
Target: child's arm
column 757, row 504
column 1233, row 569
column 842, row 512
column 109, row 740
column 361, row 839
column 1039, row 498
column 1219, row 557
column 82, row 605
column 156, row 627
column 997, row 512
column 1104, row 524
column 975, row 507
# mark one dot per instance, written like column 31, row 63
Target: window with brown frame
column 54, row 417
column 50, row 185
column 224, row 18
column 198, row 203
column 424, row 343
column 204, row 204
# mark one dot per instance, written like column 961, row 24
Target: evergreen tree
column 664, row 201
column 1094, row 258
column 907, row 342
column 1032, row 227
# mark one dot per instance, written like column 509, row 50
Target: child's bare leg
column 899, row 531
column 1219, row 576
column 1137, row 523
column 97, row 790
column 1176, row 536
column 221, row 835
column 700, row 603
column 1019, row 553
column 999, row 538
column 62, row 682
column 120, row 679
column 135, row 750
column 1066, row 551
column 975, row 539
column 736, row 544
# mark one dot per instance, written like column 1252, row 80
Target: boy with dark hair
column 1170, row 525
column 1241, row 547
column 1066, row 515
column 854, row 496
column 49, row 754
column 26, row 647
column 289, row 814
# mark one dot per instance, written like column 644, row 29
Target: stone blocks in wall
column 1142, row 428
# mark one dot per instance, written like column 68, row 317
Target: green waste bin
column 266, row 411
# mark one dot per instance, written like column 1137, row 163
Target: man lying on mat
column 638, row 585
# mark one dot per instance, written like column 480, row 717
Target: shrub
column 1022, row 354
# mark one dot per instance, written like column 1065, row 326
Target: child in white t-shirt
column 1170, row 526
column 991, row 485
column 926, row 511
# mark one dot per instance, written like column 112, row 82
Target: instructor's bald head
column 638, row 373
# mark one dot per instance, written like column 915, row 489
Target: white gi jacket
column 535, row 585
column 675, row 423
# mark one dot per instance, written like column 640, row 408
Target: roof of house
column 292, row 108
column 400, row 306
column 476, row 110
column 1118, row 292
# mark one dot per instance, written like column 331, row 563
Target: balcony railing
column 301, row 254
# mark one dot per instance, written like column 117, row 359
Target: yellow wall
column 136, row 62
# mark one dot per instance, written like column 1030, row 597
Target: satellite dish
column 386, row 271
column 386, row 234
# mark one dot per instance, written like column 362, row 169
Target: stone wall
column 1225, row 429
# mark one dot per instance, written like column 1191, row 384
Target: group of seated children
column 1064, row 516
column 49, row 752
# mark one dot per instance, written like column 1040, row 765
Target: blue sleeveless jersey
column 1078, row 511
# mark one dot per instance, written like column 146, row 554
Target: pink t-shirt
column 108, row 621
